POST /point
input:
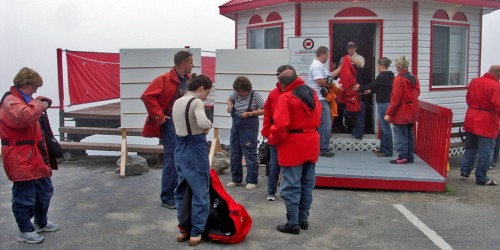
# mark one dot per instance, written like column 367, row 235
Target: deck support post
column 124, row 153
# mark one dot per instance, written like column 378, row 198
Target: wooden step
column 140, row 148
column 99, row 131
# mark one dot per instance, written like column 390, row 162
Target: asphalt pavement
column 96, row 209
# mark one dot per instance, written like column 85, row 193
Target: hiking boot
column 233, row 184
column 30, row 237
column 295, row 229
column 329, row 153
column 304, row 225
column 399, row 161
column 49, row 227
column 251, row 186
column 271, row 197
column 170, row 204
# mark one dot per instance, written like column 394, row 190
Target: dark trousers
column 31, row 198
column 244, row 143
column 168, row 173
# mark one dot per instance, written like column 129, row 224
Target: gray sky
column 31, row 30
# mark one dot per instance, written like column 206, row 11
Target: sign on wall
column 303, row 52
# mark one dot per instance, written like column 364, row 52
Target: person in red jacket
column 25, row 156
column 269, row 107
column 403, row 111
column 296, row 119
column 481, row 124
column 159, row 98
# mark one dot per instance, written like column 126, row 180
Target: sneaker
column 30, row 237
column 399, row 161
column 233, row 184
column 492, row 167
column 271, row 197
column 304, row 225
column 170, row 204
column 464, row 174
column 251, row 186
column 49, row 227
column 329, row 153
column 295, row 229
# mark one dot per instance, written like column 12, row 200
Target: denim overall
column 193, row 170
column 243, row 142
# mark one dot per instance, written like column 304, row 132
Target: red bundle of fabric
column 347, row 76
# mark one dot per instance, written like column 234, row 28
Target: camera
column 329, row 80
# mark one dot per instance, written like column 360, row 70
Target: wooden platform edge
column 139, row 148
column 380, row 184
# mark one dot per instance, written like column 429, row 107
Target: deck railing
column 432, row 142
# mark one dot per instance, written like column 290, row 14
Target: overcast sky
column 31, row 30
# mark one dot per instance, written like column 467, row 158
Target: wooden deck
column 363, row 169
column 102, row 112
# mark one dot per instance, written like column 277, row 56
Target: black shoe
column 411, row 161
column 295, row 229
column 170, row 204
column 464, row 174
column 304, row 225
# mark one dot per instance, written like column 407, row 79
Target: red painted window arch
column 459, row 16
column 355, row 12
column 255, row 19
column 273, row 16
column 441, row 14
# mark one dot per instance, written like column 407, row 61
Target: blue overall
column 243, row 142
column 193, row 171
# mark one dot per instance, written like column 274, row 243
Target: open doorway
column 365, row 35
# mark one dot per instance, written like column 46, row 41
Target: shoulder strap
column 250, row 102
column 4, row 96
column 186, row 115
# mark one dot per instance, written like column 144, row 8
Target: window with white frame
column 264, row 38
column 449, row 56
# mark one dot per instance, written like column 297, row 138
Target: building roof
column 240, row 5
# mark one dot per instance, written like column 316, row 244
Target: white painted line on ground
column 431, row 234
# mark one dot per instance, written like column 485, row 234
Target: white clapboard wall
column 259, row 65
column 138, row 67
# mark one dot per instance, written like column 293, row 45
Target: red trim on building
column 273, row 16
column 241, row 5
column 381, row 184
column 466, row 59
column 441, row 14
column 266, row 26
column 298, row 19
column 414, row 40
column 355, row 12
column 235, row 31
column 459, row 16
column 255, row 19
column 480, row 44
column 481, row 3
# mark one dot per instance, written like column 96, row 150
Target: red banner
column 93, row 76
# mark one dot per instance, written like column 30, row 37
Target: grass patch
column 449, row 190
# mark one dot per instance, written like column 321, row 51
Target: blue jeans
column 359, row 129
column 168, row 174
column 193, row 170
column 405, row 141
column 496, row 150
column 244, row 143
column 325, row 127
column 31, row 198
column 297, row 184
column 274, row 170
column 386, row 144
column 474, row 145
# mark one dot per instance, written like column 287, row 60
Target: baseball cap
column 351, row 44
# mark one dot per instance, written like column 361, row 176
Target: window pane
column 440, row 55
column 273, row 38
column 457, row 56
column 256, row 39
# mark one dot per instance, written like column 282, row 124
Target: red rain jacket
column 347, row 75
column 483, row 98
column 23, row 158
column 404, row 107
column 159, row 98
column 269, row 107
column 291, row 113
